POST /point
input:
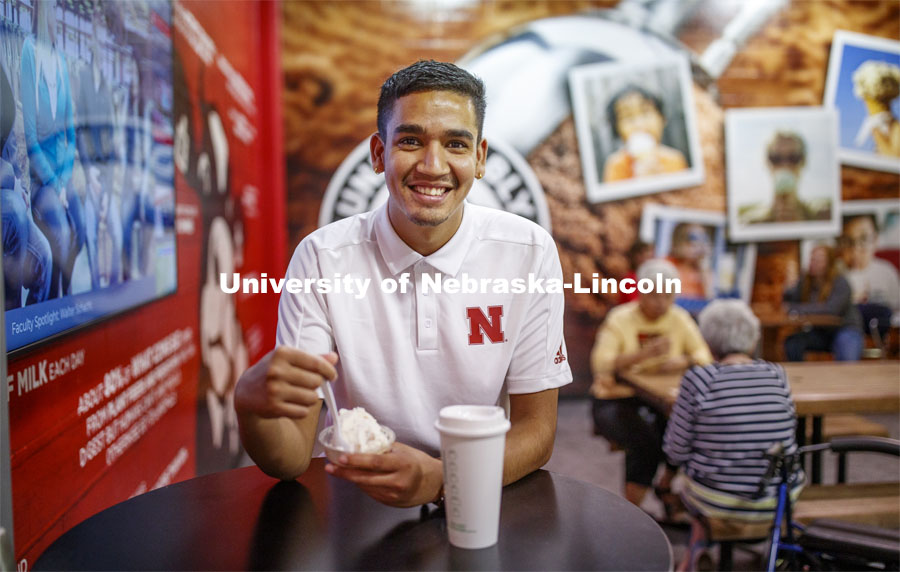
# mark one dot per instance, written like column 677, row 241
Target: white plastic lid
column 472, row 420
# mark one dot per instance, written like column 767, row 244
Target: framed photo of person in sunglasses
column 783, row 174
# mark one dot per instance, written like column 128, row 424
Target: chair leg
column 842, row 468
column 876, row 337
column 725, row 556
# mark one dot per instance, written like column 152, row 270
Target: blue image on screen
column 852, row 109
column 86, row 163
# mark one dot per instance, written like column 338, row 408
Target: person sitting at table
column 726, row 416
column 823, row 290
column 405, row 355
column 648, row 335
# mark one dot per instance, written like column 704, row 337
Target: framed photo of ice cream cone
column 636, row 128
column 863, row 84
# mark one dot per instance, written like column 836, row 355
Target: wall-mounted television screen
column 86, row 162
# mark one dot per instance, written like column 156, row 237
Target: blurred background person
column 96, row 150
column 26, row 252
column 823, row 290
column 877, row 83
column 48, row 116
column 874, row 283
column 636, row 117
column 647, row 335
column 727, row 415
column 138, row 210
column 690, row 253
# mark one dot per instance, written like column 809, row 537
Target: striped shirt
column 724, row 420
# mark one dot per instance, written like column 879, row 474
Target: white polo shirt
column 404, row 356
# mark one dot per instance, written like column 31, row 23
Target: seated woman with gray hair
column 727, row 415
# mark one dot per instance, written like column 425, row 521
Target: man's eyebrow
column 459, row 134
column 409, row 128
column 416, row 129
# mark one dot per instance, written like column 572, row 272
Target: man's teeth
column 430, row 191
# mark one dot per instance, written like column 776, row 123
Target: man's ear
column 481, row 157
column 376, row 152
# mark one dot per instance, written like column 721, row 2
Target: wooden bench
column 847, row 425
column 877, row 504
column 727, row 533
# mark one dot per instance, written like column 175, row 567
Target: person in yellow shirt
column 647, row 335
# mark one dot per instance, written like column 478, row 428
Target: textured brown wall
column 596, row 237
column 786, row 64
column 336, row 56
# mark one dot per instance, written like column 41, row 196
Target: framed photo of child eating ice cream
column 636, row 129
column 863, row 84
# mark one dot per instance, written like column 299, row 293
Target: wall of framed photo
column 609, row 118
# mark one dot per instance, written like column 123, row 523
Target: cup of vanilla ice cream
column 361, row 432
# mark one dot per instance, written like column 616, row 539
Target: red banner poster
column 142, row 396
column 228, row 152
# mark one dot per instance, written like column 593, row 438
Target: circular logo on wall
column 508, row 184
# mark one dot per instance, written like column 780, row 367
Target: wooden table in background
column 776, row 325
column 818, row 388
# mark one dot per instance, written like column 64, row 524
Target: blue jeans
column 104, row 249
column 139, row 212
column 136, row 210
column 26, row 253
column 846, row 344
column 64, row 229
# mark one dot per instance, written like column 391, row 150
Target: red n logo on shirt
column 480, row 325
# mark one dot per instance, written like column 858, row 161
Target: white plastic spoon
column 336, row 436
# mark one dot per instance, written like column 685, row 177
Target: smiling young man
column 406, row 354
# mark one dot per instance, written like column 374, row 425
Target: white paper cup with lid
column 473, row 440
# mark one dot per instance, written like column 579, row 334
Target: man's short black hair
column 429, row 75
column 628, row 90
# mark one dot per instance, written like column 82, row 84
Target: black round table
column 245, row 520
